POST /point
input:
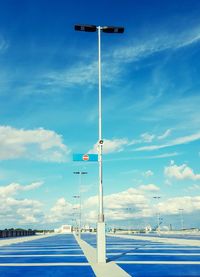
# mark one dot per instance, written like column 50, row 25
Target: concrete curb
column 10, row 241
column 163, row 240
column 110, row 269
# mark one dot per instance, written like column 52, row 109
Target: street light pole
column 80, row 173
column 101, row 237
column 101, row 234
column 79, row 229
column 100, row 145
column 181, row 216
column 158, row 216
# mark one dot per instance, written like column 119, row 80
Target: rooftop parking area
column 58, row 255
column 61, row 255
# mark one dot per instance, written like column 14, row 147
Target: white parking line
column 44, row 264
column 156, row 248
column 48, row 255
column 154, row 254
column 38, row 250
column 158, row 262
column 38, row 247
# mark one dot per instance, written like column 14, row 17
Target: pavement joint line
column 110, row 269
column 44, row 264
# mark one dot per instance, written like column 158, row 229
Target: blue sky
column 49, row 110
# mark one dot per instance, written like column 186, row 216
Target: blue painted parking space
column 50, row 256
column 46, row 271
column 161, row 270
column 141, row 258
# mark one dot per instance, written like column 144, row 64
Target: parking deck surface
column 141, row 258
column 51, row 256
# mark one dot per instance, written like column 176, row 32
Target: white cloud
column 19, row 211
column 164, row 155
column 60, row 211
column 124, row 199
column 148, row 173
column 86, row 73
column 14, row 188
column 172, row 205
column 165, row 134
column 146, row 137
column 157, row 43
column 149, row 187
column 110, row 146
column 181, row 172
column 178, row 141
column 38, row 144
column 125, row 204
column 79, row 74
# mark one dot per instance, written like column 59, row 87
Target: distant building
column 148, row 228
column 87, row 229
column 64, row 229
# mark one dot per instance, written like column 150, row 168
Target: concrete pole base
column 101, row 242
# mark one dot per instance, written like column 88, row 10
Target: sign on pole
column 85, row 157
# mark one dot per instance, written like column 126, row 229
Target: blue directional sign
column 85, row 157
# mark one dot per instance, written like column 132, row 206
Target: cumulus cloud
column 122, row 204
column 109, row 146
column 173, row 205
column 60, row 211
column 19, row 211
column 181, row 172
column 38, row 144
column 136, row 203
column 14, row 188
column 149, row 187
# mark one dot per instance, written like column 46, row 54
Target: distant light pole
column 79, row 229
column 79, row 197
column 181, row 217
column 158, row 215
column 101, row 237
column 129, row 210
column 74, row 223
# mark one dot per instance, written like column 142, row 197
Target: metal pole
column 158, row 224
column 101, row 215
column 101, row 241
column 80, row 206
column 158, row 216
column 181, row 216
